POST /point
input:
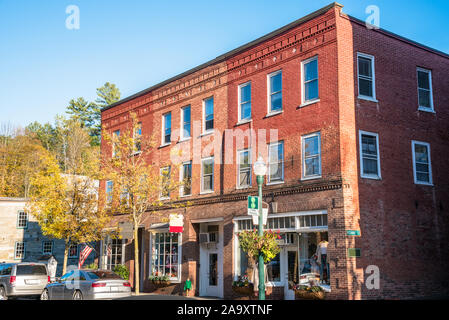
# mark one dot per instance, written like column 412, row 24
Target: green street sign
column 353, row 232
column 354, row 252
column 253, row 205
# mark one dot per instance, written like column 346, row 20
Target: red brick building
column 360, row 119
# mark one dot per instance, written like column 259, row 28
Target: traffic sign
column 253, row 205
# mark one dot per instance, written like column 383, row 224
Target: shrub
column 122, row 271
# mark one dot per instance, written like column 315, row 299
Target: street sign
column 353, row 232
column 176, row 223
column 253, row 206
column 264, row 217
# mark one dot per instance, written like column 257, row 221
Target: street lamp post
column 260, row 169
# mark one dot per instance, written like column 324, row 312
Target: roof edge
column 229, row 54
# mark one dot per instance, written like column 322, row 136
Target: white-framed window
column 73, row 251
column 208, row 115
column 124, row 198
column 207, row 174
column 186, row 122
column 309, row 71
column 369, row 155
column 366, row 76
column 19, row 250
column 166, row 128
column 109, row 189
column 311, row 156
column 422, row 168
column 276, row 162
column 113, row 253
column 138, row 138
column 22, row 220
column 115, row 137
column 165, row 187
column 244, row 169
column 274, row 92
column 186, row 179
column 47, row 247
column 244, row 96
column 166, row 255
column 425, row 94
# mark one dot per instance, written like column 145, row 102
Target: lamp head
column 260, row 168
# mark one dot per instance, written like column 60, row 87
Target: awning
column 159, row 226
column 217, row 219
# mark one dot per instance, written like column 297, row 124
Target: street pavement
column 151, row 296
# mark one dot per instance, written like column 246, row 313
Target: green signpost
column 253, row 205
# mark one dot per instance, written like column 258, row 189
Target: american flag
column 83, row 255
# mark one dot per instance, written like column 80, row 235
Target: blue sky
column 138, row 43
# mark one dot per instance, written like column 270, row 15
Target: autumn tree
column 138, row 185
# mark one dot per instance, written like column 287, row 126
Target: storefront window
column 165, row 255
column 113, row 253
column 274, row 269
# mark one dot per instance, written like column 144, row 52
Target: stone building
column 352, row 122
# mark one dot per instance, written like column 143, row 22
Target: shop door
column 292, row 272
column 212, row 287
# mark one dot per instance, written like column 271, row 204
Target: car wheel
column 3, row 294
column 77, row 295
column 45, row 295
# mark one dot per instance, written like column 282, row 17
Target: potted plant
column 159, row 280
column 267, row 244
column 243, row 286
column 309, row 292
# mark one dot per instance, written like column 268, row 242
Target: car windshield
column 29, row 269
column 103, row 275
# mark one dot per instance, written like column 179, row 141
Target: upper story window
column 186, row 179
column 275, row 91
column 207, row 175
column 22, row 220
column 422, row 169
column 47, row 247
column 245, row 101
column 115, row 136
column 185, row 122
column 109, row 186
column 165, row 188
column 425, row 96
column 309, row 70
column 208, row 114
column 138, row 137
column 276, row 162
column 244, row 168
column 366, row 76
column 166, row 125
column 369, row 155
column 311, row 156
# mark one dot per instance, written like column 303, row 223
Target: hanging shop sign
column 253, row 206
column 176, row 224
column 353, row 232
column 126, row 230
column 264, row 217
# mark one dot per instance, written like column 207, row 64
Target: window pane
column 370, row 166
column 276, row 82
column 421, row 153
column 274, row 269
column 311, row 70
column 186, row 122
column 311, row 90
column 424, row 98
column 207, row 166
column 207, row 183
column 245, row 93
column 311, row 146
column 423, row 177
column 245, row 112
column 369, row 145
column 423, row 80
column 312, row 166
column 276, row 101
column 365, row 87
column 365, row 67
column 209, row 124
column 209, row 114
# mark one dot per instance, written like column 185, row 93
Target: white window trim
column 303, row 165
column 305, row 102
column 369, row 176
column 204, row 131
column 430, row 183
column 429, row 73
column 283, row 163
column 182, row 137
column 367, row 56
column 181, row 178
column 160, row 172
column 163, row 143
column 239, row 107
column 250, row 169
column 213, row 173
column 269, row 111
column 174, row 280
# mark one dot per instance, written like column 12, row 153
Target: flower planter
column 245, row 291
column 309, row 295
column 160, row 283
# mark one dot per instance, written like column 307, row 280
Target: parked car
column 87, row 284
column 22, row 279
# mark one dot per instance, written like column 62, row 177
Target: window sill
column 206, row 192
column 244, row 187
column 164, row 199
column 207, row 133
column 371, row 99
column 371, row 177
column 243, row 122
column 164, row 145
column 311, row 178
column 272, row 114
column 136, row 153
column 185, row 196
column 424, row 184
column 275, row 183
column 426, row 109
column 308, row 103
column 184, row 139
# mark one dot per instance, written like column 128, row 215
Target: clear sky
column 138, row 43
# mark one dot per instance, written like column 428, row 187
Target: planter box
column 245, row 291
column 160, row 283
column 308, row 295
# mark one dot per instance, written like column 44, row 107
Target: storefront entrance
column 211, row 260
